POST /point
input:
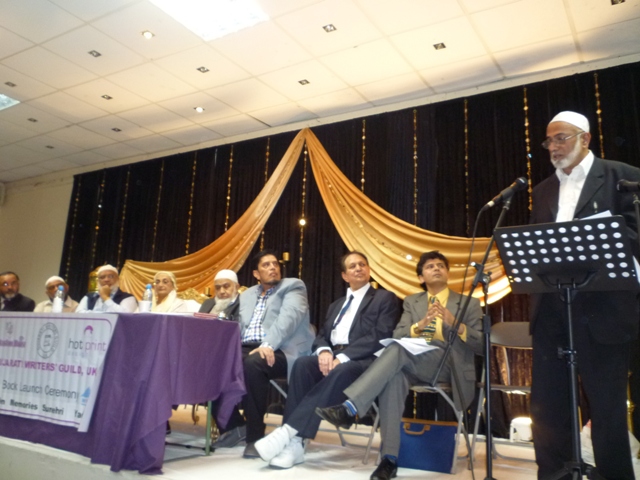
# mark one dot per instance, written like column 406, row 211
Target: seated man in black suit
column 11, row 300
column 343, row 349
column 225, row 302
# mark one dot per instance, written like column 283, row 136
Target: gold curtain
column 392, row 245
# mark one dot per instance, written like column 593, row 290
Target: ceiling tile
column 127, row 25
column 283, row 114
column 76, row 45
column 26, row 87
column 42, row 143
column 91, row 92
column 538, row 57
column 90, row 10
column 18, row 156
column 367, row 63
column 247, row 95
column 472, row 6
column 11, row 132
column 458, row 76
column 404, row 87
column 185, row 106
column 37, row 20
column 21, row 113
column 335, row 103
column 155, row 118
column 192, row 135
column 156, row 143
column 9, row 176
column 86, row 158
column 67, row 107
column 403, row 15
column 184, row 65
column 275, row 8
column 610, row 41
column 105, row 125
column 151, row 82
column 352, row 26
column 262, row 48
column 56, row 164
column 237, row 125
column 49, row 67
column 528, row 22
column 81, row 137
column 286, row 81
column 459, row 37
column 12, row 43
column 590, row 14
column 28, row 171
column 118, row 151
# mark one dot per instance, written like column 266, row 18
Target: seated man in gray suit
column 343, row 349
column 429, row 315
column 275, row 330
column 225, row 303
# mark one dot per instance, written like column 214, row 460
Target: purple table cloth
column 153, row 362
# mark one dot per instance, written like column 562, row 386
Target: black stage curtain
column 158, row 209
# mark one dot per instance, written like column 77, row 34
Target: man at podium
column 604, row 323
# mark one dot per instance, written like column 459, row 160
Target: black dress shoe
column 250, row 451
column 385, row 471
column 338, row 415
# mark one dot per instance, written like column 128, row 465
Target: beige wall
column 32, row 225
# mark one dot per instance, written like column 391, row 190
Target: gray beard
column 10, row 296
column 221, row 304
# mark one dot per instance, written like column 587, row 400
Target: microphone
column 520, row 184
column 628, row 186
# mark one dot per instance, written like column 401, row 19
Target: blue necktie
column 343, row 311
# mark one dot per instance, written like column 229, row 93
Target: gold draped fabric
column 392, row 245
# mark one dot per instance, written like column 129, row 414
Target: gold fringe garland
column 124, row 215
column 266, row 179
column 527, row 140
column 303, row 219
column 193, row 187
column 98, row 218
column 599, row 113
column 73, row 228
column 155, row 223
column 466, row 164
column 364, row 150
column 226, row 217
column 415, row 166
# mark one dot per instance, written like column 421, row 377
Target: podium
column 567, row 258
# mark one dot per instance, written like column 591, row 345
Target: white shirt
column 571, row 187
column 128, row 305
column 69, row 306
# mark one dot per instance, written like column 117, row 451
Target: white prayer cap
column 573, row 118
column 226, row 275
column 55, row 278
column 107, row 268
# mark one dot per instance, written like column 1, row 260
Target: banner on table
column 50, row 363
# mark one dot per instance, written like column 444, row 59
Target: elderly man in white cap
column 604, row 323
column 50, row 288
column 225, row 302
column 109, row 298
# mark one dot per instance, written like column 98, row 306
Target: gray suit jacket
column 286, row 319
column 463, row 353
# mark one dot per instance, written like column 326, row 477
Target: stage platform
column 325, row 458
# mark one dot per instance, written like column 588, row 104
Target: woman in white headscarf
column 165, row 299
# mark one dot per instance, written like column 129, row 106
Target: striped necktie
column 343, row 311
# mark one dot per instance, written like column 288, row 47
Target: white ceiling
column 381, row 53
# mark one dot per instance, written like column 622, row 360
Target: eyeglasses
column 558, row 140
column 12, row 284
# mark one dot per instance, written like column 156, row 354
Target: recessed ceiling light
column 33, row 120
column 6, row 102
column 107, row 97
column 50, row 147
column 210, row 20
column 199, row 109
column 303, row 82
column 329, row 28
column 95, row 53
column 147, row 34
column 202, row 69
column 617, row 2
column 10, row 84
column 116, row 129
column 439, row 46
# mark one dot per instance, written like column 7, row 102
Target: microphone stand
column 636, row 205
column 483, row 278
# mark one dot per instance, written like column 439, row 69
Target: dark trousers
column 603, row 372
column 257, row 376
column 309, row 388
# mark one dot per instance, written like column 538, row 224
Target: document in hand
column 415, row 346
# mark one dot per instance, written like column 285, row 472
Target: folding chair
column 506, row 335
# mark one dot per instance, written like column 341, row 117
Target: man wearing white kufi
column 225, row 302
column 604, row 323
column 109, row 298
column 51, row 287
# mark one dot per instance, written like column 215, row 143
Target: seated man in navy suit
column 343, row 349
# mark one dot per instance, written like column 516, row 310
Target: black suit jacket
column 19, row 303
column 612, row 316
column 375, row 319
column 231, row 311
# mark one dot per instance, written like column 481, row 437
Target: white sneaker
column 271, row 445
column 293, row 454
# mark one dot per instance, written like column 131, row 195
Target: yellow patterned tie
column 429, row 331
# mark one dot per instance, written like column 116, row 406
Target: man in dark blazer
column 429, row 315
column 343, row 349
column 224, row 303
column 11, row 300
column 604, row 323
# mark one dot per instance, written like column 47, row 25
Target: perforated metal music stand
column 568, row 257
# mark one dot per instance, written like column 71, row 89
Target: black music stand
column 568, row 257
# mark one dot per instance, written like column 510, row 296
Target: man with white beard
column 109, row 298
column 604, row 323
column 225, row 302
